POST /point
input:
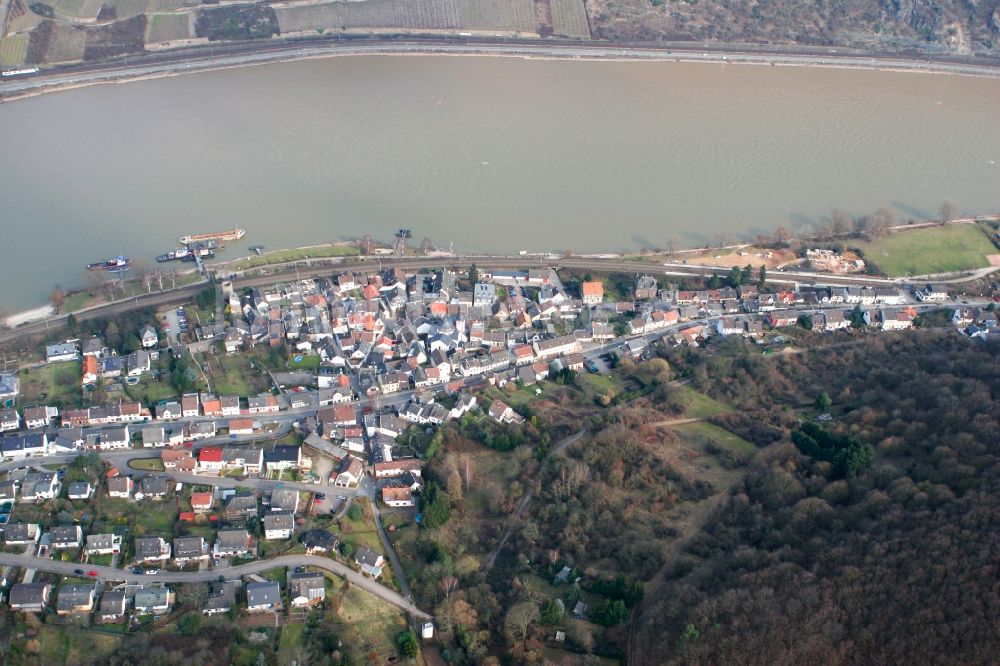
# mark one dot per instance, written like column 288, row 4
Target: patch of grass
column 710, row 433
column 100, row 560
column 283, row 256
column 73, row 645
column 59, row 382
column 147, row 464
column 306, row 362
column 370, row 624
column 13, row 49
column 233, row 374
column 168, row 27
column 76, row 302
column 278, row 575
column 700, row 406
column 157, row 518
column 291, row 636
column 930, row 250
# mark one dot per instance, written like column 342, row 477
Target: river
column 485, row 154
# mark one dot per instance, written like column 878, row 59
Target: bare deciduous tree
column 949, row 211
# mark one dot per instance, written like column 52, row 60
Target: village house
column 148, row 337
column 65, row 537
column 283, row 457
column 263, row 596
column 251, row 459
column 895, row 320
column 397, row 497
column 592, row 292
column 241, row 507
column 29, row 597
column 179, row 459
column 61, row 352
column 21, row 534
column 262, row 404
column 201, row 502
column 75, row 599
column 153, row 487
column 351, row 474
column 210, row 460
column 28, row 445
column 233, row 543
column 151, row 549
column 230, row 405
column 190, row 406
column 221, row 598
column 103, row 544
column 189, row 549
column 37, row 486
column 319, row 541
column 154, row 600
column 278, row 526
column 284, row 501
column 114, row 603
column 306, row 588
column 397, row 467
column 241, row 427
column 369, row 561
column 120, row 486
column 39, row 417
column 9, row 420
column 80, row 490
column 168, row 410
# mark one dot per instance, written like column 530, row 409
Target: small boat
column 180, row 254
column 257, row 249
column 116, row 265
column 235, row 234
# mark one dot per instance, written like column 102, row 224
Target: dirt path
column 702, row 511
column 523, row 504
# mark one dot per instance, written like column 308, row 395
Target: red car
column 92, row 574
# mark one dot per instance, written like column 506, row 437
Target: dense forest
column 809, row 561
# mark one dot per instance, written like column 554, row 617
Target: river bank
column 192, row 62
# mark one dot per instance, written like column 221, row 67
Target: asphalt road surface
column 107, row 573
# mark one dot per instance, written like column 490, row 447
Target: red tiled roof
column 210, row 454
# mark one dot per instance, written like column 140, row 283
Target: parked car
column 137, row 571
column 78, row 572
column 92, row 574
column 152, row 572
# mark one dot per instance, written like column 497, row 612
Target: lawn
column 168, row 27
column 76, row 301
column 305, row 362
column 147, row 464
column 278, row 575
column 709, row 433
column 157, row 518
column 931, row 250
column 233, row 374
column 291, row 637
column 700, row 406
column 13, row 49
column 369, row 624
column 72, row 645
column 151, row 390
column 282, row 256
column 59, row 383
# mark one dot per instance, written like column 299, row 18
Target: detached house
column 120, row 486
column 278, row 526
column 233, row 543
column 397, row 496
column 148, row 337
column 113, row 605
column 283, row 457
column 9, row 419
column 189, row 549
column 29, row 597
column 75, row 599
column 21, row 534
column 152, row 600
column 306, row 588
column 66, row 537
column 263, row 597
column 369, row 561
column 210, row 460
column 221, row 598
column 103, row 544
column 151, row 549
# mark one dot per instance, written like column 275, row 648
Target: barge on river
column 234, row 234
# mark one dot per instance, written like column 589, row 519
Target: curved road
column 108, row 573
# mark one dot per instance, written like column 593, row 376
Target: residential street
column 107, row 573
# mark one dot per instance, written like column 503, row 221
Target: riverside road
column 243, row 54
